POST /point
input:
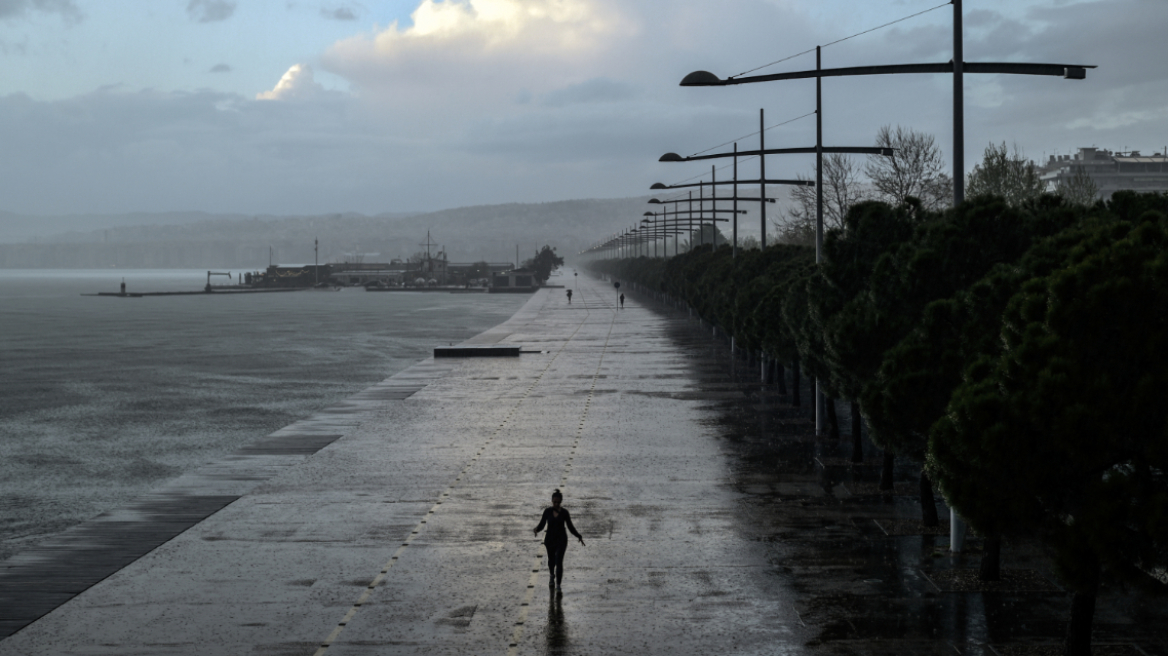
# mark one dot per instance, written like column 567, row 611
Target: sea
column 105, row 398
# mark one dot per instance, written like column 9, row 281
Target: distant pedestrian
column 622, row 301
column 569, row 297
column 556, row 519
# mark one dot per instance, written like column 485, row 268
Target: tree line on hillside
column 1015, row 349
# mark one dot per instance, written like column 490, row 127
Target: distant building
column 518, row 280
column 461, row 271
column 1110, row 171
column 290, row 275
column 362, row 273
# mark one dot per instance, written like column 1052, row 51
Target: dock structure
column 399, row 521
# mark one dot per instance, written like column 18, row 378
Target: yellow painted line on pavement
column 525, row 606
column 336, row 632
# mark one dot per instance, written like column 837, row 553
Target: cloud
column 19, row 8
column 339, row 13
column 591, row 91
column 484, row 47
column 220, row 68
column 210, row 11
column 296, row 84
column 483, row 101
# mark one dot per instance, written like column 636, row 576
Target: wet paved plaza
column 400, row 523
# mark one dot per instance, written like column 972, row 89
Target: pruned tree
column 915, row 169
column 544, row 262
column 921, row 344
column 1063, row 433
column 842, row 188
column 1005, row 174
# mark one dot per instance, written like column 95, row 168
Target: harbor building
column 1111, row 171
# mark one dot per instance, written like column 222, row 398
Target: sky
column 316, row 106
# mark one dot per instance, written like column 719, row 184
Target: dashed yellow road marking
column 377, row 580
column 525, row 606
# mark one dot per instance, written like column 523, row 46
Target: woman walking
column 556, row 519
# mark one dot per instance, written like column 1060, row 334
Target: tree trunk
column 886, row 471
column 991, row 561
column 782, row 377
column 832, row 420
column 1083, row 615
column 857, row 435
column 814, row 401
column 928, row 503
column 795, row 384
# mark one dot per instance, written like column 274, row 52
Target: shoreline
column 114, row 539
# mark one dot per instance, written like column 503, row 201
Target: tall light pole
column 734, row 249
column 761, row 177
column 959, row 106
column 958, row 66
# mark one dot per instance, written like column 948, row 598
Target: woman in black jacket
column 556, row 519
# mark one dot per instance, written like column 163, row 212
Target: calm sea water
column 102, row 399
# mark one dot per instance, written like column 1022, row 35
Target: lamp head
column 701, row 79
column 654, row 200
column 647, row 214
column 671, row 157
column 658, row 185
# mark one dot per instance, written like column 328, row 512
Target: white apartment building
column 1110, row 171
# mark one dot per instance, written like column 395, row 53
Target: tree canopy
column 544, row 262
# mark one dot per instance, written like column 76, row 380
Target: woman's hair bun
column 556, row 491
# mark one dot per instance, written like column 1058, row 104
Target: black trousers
column 556, row 559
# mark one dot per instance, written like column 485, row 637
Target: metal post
column 734, row 250
column 701, row 212
column 762, row 179
column 956, row 524
column 958, row 107
column 714, row 206
column 820, row 406
column 689, row 221
column 677, row 225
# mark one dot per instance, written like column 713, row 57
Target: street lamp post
column 734, row 193
column 689, row 213
column 958, row 66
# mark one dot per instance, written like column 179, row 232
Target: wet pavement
column 711, row 527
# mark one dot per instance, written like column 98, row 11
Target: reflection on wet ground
column 556, row 631
column 859, row 589
column 715, row 522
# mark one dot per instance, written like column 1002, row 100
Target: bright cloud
column 485, row 44
column 296, row 84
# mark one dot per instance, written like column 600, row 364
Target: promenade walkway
column 400, row 521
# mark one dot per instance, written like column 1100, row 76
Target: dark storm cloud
column 339, row 13
column 210, row 11
column 220, row 68
column 18, row 8
column 586, row 115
